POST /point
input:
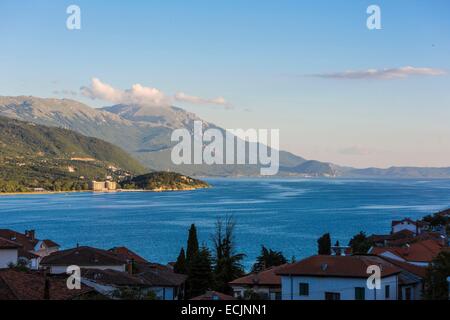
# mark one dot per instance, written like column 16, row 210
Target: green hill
column 162, row 181
column 35, row 156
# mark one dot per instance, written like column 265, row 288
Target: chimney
column 30, row 234
column 130, row 266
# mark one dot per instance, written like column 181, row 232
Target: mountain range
column 144, row 132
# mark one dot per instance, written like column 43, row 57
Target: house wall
column 164, row 293
column 62, row 269
column 290, row 287
column 269, row 292
column 7, row 256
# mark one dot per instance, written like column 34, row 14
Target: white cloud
column 384, row 74
column 141, row 95
column 137, row 94
column 183, row 97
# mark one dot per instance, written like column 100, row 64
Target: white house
column 85, row 258
column 405, row 224
column 9, row 253
column 338, row 278
column 32, row 250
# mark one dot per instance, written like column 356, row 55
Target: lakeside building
column 266, row 284
column 30, row 250
column 103, row 186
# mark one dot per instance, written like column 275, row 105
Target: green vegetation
column 160, row 181
column 324, row 244
column 360, row 243
column 436, row 285
column 54, row 159
column 268, row 258
column 207, row 271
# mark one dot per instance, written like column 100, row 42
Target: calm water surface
column 287, row 215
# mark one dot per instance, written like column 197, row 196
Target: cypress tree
column 180, row 265
column 324, row 244
column 192, row 245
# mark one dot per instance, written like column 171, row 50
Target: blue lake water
column 286, row 215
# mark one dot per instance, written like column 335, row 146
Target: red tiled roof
column 126, row 254
column 267, row 277
column 416, row 270
column 82, row 256
column 16, row 285
column 214, row 295
column 18, row 237
column 163, row 278
column 50, row 243
column 8, row 244
column 338, row 266
column 421, row 251
column 112, row 277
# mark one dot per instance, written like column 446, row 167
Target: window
column 304, row 289
column 360, row 293
column 387, row 292
column 332, row 296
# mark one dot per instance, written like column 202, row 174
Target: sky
column 337, row 91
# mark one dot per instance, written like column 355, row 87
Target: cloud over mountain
column 141, row 95
column 383, row 74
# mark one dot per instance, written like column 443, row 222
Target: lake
column 286, row 215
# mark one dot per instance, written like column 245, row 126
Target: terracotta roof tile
column 16, row 285
column 421, row 251
column 338, row 266
column 8, row 244
column 267, row 277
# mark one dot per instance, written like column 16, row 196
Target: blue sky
column 278, row 64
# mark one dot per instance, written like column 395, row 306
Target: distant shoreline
column 97, row 192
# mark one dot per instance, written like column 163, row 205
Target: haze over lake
column 286, row 215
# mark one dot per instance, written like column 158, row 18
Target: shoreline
column 97, row 192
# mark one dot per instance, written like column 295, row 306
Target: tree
column 180, row 264
column 227, row 263
column 324, row 244
column 360, row 243
column 200, row 277
column 192, row 245
column 268, row 258
column 436, row 285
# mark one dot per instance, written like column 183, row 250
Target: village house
column 31, row 250
column 324, row 277
column 419, row 253
column 9, row 253
column 415, row 227
column 84, row 257
column 266, row 284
